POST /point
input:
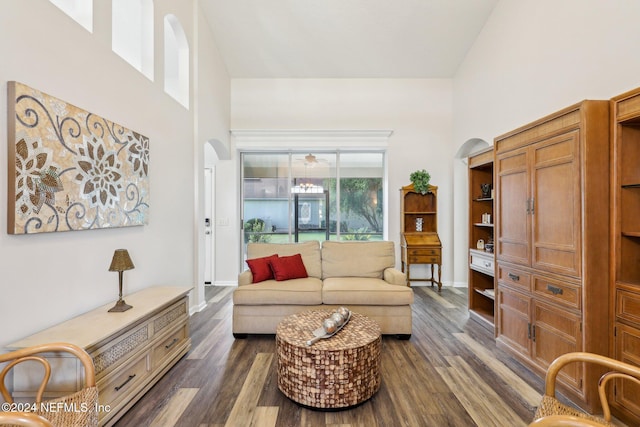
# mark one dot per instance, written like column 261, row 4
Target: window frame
column 301, row 151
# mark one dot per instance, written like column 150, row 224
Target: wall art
column 70, row 169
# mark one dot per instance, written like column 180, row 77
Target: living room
column 529, row 59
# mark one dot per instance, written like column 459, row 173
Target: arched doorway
column 461, row 207
column 214, row 151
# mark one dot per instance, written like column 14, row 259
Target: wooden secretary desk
column 419, row 241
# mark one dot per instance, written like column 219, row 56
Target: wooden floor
column 449, row 373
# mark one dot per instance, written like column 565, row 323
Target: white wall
column 534, row 57
column 417, row 110
column 48, row 278
column 212, row 104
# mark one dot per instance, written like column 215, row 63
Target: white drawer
column 481, row 261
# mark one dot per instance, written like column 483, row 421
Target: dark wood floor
column 449, row 373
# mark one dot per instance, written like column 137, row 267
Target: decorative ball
column 329, row 326
column 344, row 311
column 338, row 318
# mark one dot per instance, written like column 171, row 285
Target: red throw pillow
column 288, row 267
column 261, row 268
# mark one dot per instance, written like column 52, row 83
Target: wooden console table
column 131, row 350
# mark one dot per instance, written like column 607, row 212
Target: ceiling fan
column 311, row 160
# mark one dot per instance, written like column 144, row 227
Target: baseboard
column 197, row 308
column 444, row 284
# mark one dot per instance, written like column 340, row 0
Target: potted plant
column 420, row 180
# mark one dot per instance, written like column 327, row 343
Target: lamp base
column 120, row 307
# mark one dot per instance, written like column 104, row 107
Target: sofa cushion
column 357, row 259
column 364, row 291
column 310, row 252
column 307, row 291
column 261, row 268
column 288, row 267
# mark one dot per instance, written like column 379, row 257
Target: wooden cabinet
column 514, row 324
column 539, row 185
column 419, row 241
column 552, row 229
column 625, row 249
column 481, row 244
column 130, row 350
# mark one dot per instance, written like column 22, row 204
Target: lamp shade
column 121, row 261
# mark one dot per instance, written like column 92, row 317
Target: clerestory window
column 132, row 33
column 80, row 11
column 176, row 61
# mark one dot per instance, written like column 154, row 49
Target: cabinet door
column 513, row 320
column 557, row 331
column 627, row 348
column 556, row 205
column 512, row 207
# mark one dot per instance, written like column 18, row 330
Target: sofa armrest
column 245, row 278
column 395, row 277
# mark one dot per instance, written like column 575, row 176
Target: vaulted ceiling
column 345, row 38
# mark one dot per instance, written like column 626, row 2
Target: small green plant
column 420, row 180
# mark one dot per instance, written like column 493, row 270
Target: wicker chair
column 564, row 421
column 85, row 401
column 23, row 419
column 551, row 412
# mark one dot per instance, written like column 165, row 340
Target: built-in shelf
column 481, row 263
column 625, row 231
column 485, row 318
column 628, row 284
column 489, row 293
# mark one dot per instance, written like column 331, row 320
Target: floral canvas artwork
column 70, row 169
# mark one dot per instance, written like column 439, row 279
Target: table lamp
column 120, row 262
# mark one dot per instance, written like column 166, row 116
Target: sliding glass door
column 301, row 196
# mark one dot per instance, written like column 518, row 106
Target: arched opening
column 461, row 208
column 132, row 33
column 469, row 147
column 214, row 151
column 176, row 61
column 80, row 11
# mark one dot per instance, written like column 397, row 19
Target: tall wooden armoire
column 552, row 234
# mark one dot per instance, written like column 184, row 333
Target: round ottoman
column 333, row 373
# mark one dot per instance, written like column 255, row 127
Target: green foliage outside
column 360, row 197
column 359, row 236
column 253, row 229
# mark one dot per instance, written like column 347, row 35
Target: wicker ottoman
column 333, row 373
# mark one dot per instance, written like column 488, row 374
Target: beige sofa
column 358, row 275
